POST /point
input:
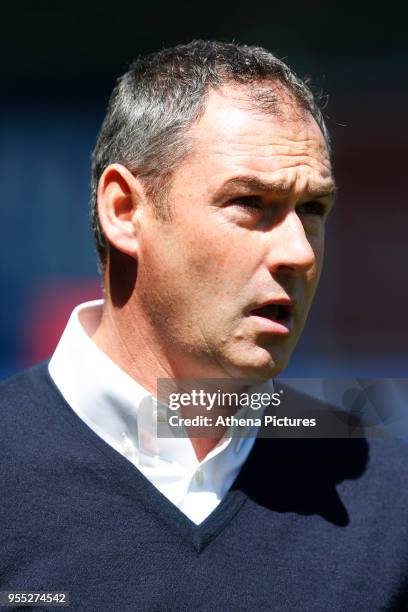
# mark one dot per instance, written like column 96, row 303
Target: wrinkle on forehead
column 270, row 161
column 274, row 164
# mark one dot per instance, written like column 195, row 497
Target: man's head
column 214, row 179
column 155, row 103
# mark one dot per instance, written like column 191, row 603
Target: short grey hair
column 163, row 94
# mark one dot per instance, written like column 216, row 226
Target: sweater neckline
column 142, row 491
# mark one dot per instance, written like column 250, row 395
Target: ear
column 120, row 197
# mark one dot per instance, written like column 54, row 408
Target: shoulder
column 369, row 465
column 22, row 398
column 23, row 384
column 388, row 462
column 343, row 439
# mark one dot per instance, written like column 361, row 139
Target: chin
column 263, row 366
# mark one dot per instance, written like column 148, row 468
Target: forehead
column 233, row 137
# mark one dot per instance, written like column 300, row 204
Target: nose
column 290, row 249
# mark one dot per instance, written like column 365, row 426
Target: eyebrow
column 252, row 183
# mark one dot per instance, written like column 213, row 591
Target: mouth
column 275, row 318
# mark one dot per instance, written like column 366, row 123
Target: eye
column 311, row 208
column 247, row 202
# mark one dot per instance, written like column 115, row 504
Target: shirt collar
column 111, row 402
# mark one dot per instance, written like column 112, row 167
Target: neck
column 138, row 355
column 133, row 353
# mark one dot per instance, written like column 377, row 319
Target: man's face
column 228, row 283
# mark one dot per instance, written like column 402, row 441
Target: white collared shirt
column 122, row 413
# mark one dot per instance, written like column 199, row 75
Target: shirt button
column 127, row 444
column 199, row 478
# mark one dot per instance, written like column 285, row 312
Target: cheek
column 209, row 255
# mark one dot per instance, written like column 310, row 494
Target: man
column 212, row 184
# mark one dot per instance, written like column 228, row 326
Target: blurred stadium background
column 59, row 64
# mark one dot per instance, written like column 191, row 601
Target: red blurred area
column 46, row 314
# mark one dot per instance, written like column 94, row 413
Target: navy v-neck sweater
column 310, row 525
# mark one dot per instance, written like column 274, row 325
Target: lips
column 274, row 317
column 274, row 312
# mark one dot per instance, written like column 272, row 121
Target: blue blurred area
column 44, row 173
